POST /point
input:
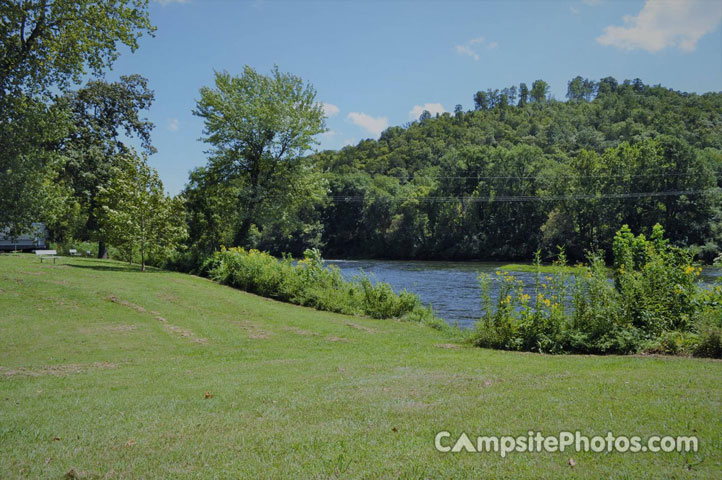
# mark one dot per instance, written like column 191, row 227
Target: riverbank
column 107, row 371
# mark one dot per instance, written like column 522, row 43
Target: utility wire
column 531, row 177
column 529, row 198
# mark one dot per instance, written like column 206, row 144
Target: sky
column 376, row 64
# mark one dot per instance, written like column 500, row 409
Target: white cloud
column 465, row 50
column 574, row 9
column 349, row 141
column 329, row 134
column 173, row 124
column 433, row 108
column 664, row 23
column 373, row 125
column 471, row 48
column 168, row 2
column 329, row 109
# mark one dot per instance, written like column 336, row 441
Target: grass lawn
column 105, row 370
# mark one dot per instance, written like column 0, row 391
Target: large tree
column 259, row 126
column 44, row 46
column 103, row 114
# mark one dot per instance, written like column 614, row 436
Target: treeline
column 507, row 178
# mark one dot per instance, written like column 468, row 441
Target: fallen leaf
column 394, row 429
column 56, row 439
column 130, row 443
column 209, row 395
column 571, row 462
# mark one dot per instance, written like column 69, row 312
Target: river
column 451, row 288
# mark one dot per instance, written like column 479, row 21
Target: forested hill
column 523, row 171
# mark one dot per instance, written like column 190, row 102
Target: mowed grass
column 104, row 370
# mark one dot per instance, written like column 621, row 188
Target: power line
column 529, row 198
column 531, row 177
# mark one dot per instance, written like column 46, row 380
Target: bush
column 652, row 303
column 308, row 282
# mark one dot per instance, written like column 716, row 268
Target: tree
column 27, row 164
column 136, row 214
column 458, row 110
column 100, row 112
column 44, row 45
column 512, row 94
column 607, row 85
column 575, row 88
column 539, row 91
column 493, row 95
column 425, row 115
column 259, row 126
column 481, row 101
column 523, row 94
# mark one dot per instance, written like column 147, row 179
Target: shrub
column 653, row 302
column 308, row 282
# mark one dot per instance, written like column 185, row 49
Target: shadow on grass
column 115, row 268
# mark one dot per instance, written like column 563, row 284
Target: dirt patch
column 114, row 328
column 56, row 370
column 167, row 297
column 300, row 331
column 121, row 328
column 337, row 339
column 185, row 333
column 68, row 303
column 125, row 303
column 176, row 330
column 361, row 327
column 253, row 330
column 450, row 346
column 35, row 274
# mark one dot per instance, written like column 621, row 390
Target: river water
column 451, row 288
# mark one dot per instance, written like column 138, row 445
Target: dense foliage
column 258, row 127
column 45, row 45
column 654, row 303
column 308, row 282
column 103, row 114
column 503, row 180
column 136, row 215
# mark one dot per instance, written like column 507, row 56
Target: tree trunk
column 102, row 249
column 142, row 259
column 242, row 234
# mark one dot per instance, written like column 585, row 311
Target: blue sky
column 379, row 63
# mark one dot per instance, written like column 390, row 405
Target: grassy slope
column 301, row 393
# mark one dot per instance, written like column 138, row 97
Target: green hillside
column 114, row 373
column 519, row 172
